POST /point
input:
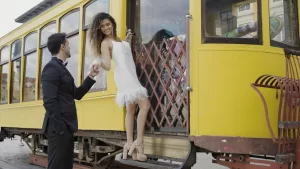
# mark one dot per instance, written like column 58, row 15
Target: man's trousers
column 60, row 150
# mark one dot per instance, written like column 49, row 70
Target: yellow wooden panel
column 195, row 36
column 93, row 114
column 228, row 106
column 100, row 114
column 23, row 116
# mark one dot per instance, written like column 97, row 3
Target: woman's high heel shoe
column 125, row 151
column 139, row 150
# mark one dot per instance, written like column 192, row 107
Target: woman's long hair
column 95, row 34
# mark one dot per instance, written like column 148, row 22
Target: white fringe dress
column 129, row 88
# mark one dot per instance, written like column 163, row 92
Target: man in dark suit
column 59, row 91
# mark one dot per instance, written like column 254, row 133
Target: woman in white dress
column 107, row 46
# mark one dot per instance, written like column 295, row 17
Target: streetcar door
column 159, row 48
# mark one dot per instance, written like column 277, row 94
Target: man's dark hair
column 55, row 41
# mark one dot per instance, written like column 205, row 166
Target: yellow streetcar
column 210, row 66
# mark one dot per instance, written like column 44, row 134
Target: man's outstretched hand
column 94, row 70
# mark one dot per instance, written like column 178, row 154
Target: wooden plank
column 43, row 161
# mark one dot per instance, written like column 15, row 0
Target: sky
column 12, row 9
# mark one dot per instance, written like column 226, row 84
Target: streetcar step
column 149, row 164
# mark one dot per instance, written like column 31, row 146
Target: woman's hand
column 94, row 70
column 128, row 37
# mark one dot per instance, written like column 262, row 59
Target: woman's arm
column 128, row 37
column 106, row 61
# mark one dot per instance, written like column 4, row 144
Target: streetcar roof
column 36, row 10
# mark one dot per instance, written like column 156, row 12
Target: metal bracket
column 189, row 16
column 189, row 88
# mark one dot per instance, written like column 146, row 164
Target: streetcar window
column 87, row 63
column 30, row 42
column 16, row 80
column 16, row 49
column 70, row 22
column 94, row 7
column 4, row 55
column 284, row 23
column 29, row 81
column 46, row 32
column 4, row 80
column 30, row 66
column 156, row 20
column 72, row 65
column 90, row 10
column 46, row 57
column 231, row 21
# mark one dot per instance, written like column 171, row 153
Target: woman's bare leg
column 130, row 113
column 144, row 106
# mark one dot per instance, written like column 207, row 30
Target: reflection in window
column 16, row 81
column 30, row 42
column 94, row 8
column 4, row 80
column 70, row 22
column 16, row 49
column 4, row 56
column 72, row 65
column 29, row 81
column 46, row 57
column 222, row 18
column 157, row 19
column 244, row 7
column 284, row 22
column 46, row 32
column 101, row 77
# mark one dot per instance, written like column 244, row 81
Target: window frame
column 11, row 48
column 85, row 27
column 223, row 40
column 73, row 33
column 64, row 16
column 275, row 43
column 4, row 62
column 13, row 60
column 41, row 48
column 41, row 31
column 31, row 50
column 40, row 71
column 24, row 74
column 7, row 91
column 85, row 36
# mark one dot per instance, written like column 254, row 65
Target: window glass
column 284, row 22
column 30, row 42
column 46, row 32
column 94, row 8
column 16, row 81
column 231, row 18
column 30, row 78
column 46, row 57
column 72, row 65
column 70, row 22
column 157, row 19
column 4, row 54
column 16, row 49
column 4, row 80
column 101, row 77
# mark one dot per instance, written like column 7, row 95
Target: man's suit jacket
column 59, row 92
